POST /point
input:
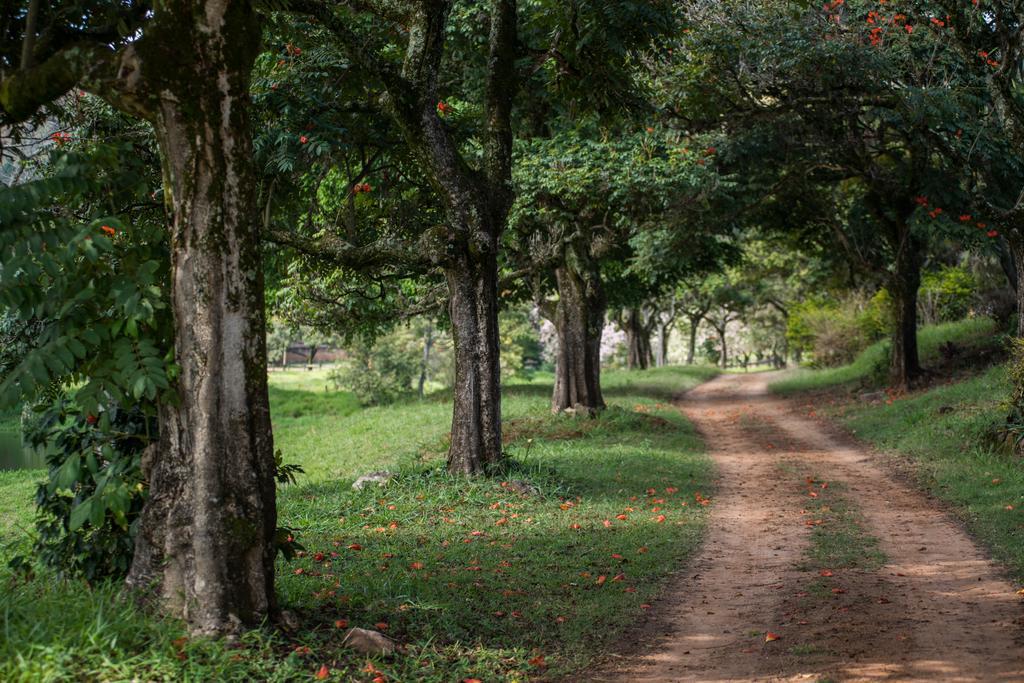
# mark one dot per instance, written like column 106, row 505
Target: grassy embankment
column 944, row 433
column 870, row 368
column 476, row 580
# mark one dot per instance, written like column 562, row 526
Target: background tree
column 585, row 198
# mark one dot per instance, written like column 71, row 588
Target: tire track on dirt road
column 938, row 610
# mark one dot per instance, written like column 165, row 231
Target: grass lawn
column 871, row 367
column 476, row 580
column 944, row 433
column 10, row 421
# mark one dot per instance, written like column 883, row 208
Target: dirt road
column 938, row 610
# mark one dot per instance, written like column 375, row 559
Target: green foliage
column 832, row 331
column 85, row 287
column 615, row 195
column 520, row 343
column 1013, row 429
column 947, row 294
column 380, row 372
column 94, row 488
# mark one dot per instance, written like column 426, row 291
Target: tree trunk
column 1015, row 242
column 638, row 341
column 473, row 306
column 692, row 350
column 1010, row 259
column 905, row 365
column 663, row 334
column 428, row 344
column 205, row 546
column 579, row 321
column 724, row 360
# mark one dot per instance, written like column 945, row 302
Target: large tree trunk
column 638, row 341
column 579, row 321
column 205, row 546
column 905, row 367
column 473, row 306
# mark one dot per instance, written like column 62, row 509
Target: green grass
column 944, row 433
column 870, row 367
column 838, row 537
column 10, row 421
column 476, row 580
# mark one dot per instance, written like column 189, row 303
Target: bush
column 836, row 331
column 947, row 294
column 89, row 504
column 380, row 372
column 94, row 489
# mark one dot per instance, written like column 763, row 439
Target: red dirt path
column 938, row 610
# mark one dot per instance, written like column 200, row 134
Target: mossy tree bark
column 1015, row 242
column 206, row 540
column 694, row 319
column 638, row 340
column 477, row 203
column 665, row 321
column 206, row 537
column 579, row 321
column 905, row 367
column 691, row 350
column 723, row 360
column 476, row 419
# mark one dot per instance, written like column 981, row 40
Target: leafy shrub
column 836, row 331
column 521, row 351
column 88, row 307
column 89, row 504
column 947, row 294
column 1013, row 428
column 379, row 372
column 94, row 490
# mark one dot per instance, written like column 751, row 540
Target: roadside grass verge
column 870, row 368
column 944, row 432
column 476, row 579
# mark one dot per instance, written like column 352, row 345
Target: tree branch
column 346, row 254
